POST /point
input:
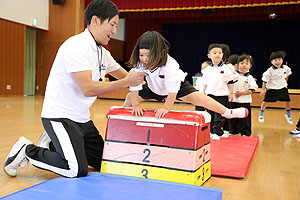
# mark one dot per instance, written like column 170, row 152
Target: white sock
column 227, row 113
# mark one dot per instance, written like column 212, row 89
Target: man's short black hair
column 104, row 9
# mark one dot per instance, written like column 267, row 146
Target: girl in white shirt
column 243, row 89
column 165, row 80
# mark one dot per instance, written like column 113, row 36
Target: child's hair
column 158, row 46
column 207, row 63
column 233, row 59
column 226, row 52
column 104, row 9
column 214, row 45
column 277, row 54
column 245, row 56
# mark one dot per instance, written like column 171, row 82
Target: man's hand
column 135, row 78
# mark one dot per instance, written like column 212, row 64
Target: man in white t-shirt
column 73, row 85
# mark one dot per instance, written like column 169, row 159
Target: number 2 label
column 147, row 152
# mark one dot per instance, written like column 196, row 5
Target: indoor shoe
column 16, row 157
column 225, row 134
column 288, row 119
column 261, row 119
column 295, row 132
column 44, row 140
column 236, row 113
column 214, row 137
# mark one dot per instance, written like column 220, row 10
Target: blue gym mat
column 105, row 187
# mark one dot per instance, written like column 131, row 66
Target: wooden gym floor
column 274, row 173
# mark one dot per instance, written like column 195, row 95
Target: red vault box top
column 181, row 117
column 177, row 129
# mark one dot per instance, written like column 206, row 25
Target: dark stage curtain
column 189, row 43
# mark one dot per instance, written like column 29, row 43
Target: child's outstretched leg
column 261, row 112
column 127, row 102
column 288, row 116
column 200, row 99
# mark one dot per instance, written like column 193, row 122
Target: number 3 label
column 145, row 173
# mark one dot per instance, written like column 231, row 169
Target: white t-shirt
column 200, row 81
column 162, row 80
column 275, row 77
column 244, row 83
column 63, row 97
column 236, row 75
column 216, row 78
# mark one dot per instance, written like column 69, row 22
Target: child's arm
column 204, row 88
column 287, row 78
column 263, row 90
column 230, row 96
column 159, row 113
column 238, row 93
column 252, row 86
column 136, row 109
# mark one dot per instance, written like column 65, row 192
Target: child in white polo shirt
column 274, row 86
column 200, row 82
column 218, row 84
column 166, row 81
column 243, row 89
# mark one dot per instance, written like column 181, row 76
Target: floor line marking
column 28, row 177
column 31, row 181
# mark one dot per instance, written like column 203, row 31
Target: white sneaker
column 295, row 132
column 288, row 119
column 214, row 136
column 261, row 119
column 298, row 136
column 44, row 140
column 225, row 134
column 16, row 157
column 236, row 113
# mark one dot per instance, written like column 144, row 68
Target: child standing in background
column 203, row 66
column 226, row 52
column 233, row 60
column 274, row 86
column 200, row 82
column 165, row 81
column 242, row 90
column 218, row 84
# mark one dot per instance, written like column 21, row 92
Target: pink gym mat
column 232, row 156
